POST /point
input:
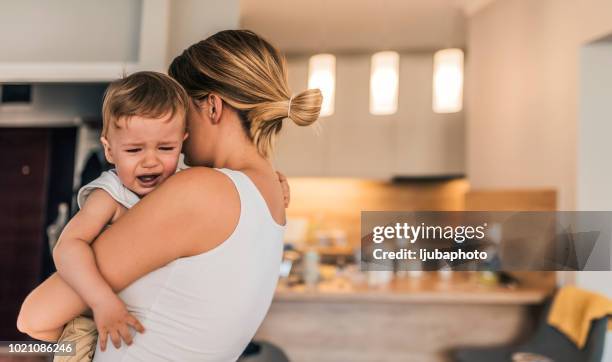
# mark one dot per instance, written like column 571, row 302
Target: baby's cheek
column 170, row 165
column 125, row 175
column 125, row 167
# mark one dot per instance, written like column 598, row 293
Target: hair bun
column 250, row 75
column 305, row 107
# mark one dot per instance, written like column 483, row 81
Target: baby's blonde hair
column 145, row 94
column 250, row 75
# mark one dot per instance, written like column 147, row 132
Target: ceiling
column 299, row 26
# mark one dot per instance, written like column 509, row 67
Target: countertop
column 429, row 287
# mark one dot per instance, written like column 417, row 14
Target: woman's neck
column 235, row 150
column 239, row 156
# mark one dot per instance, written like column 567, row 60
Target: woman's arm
column 192, row 212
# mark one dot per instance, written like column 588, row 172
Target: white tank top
column 108, row 181
column 207, row 307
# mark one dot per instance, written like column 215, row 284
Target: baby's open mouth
column 148, row 180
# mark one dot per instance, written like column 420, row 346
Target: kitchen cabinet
column 426, row 143
column 360, row 144
column 414, row 142
column 37, row 175
column 345, row 144
column 302, row 151
column 128, row 37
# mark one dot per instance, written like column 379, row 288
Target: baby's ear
column 186, row 136
column 107, row 148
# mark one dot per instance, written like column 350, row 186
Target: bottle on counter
column 311, row 268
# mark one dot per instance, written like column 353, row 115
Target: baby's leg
column 48, row 308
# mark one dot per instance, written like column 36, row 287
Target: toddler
column 144, row 127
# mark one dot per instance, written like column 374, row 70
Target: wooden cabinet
column 37, row 175
column 24, row 161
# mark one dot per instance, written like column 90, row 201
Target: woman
column 197, row 260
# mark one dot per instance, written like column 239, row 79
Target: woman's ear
column 214, row 107
column 107, row 150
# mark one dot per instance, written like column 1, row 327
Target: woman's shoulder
column 198, row 174
column 200, row 179
column 200, row 189
column 205, row 199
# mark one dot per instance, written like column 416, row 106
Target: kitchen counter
column 428, row 288
column 411, row 319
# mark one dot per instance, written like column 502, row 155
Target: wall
column 523, row 85
column 523, row 111
column 353, row 143
column 337, row 202
column 69, row 31
column 594, row 130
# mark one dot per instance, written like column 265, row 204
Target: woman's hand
column 285, row 186
column 112, row 318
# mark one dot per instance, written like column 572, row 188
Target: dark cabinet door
column 24, row 170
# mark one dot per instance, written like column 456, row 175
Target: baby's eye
column 166, row 148
column 132, row 150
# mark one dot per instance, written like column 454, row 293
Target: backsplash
column 336, row 203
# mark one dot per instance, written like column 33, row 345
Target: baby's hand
column 112, row 318
column 285, row 187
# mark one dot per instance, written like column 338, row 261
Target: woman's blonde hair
column 250, row 75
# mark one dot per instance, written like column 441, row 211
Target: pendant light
column 384, row 81
column 322, row 75
column 448, row 81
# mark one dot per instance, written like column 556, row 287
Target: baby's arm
column 73, row 256
column 76, row 264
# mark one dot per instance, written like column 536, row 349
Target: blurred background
column 440, row 105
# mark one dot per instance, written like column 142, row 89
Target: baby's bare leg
column 48, row 308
